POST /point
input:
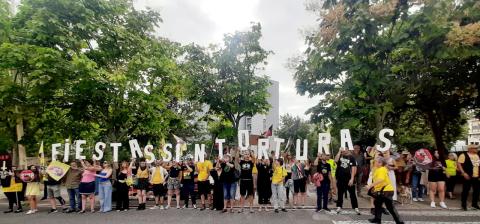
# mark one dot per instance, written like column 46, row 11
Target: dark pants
column 322, row 196
column 74, row 199
column 386, row 199
column 13, row 198
column 189, row 190
column 451, row 181
column 342, row 188
column 123, row 201
column 467, row 184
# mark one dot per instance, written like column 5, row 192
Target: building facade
column 474, row 131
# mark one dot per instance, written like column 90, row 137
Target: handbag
column 375, row 194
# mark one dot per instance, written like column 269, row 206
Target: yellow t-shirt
column 451, row 169
column 14, row 187
column 475, row 161
column 142, row 173
column 333, row 166
column 278, row 174
column 382, row 174
column 204, row 169
column 157, row 176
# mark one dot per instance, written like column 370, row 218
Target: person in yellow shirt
column 469, row 166
column 381, row 189
column 158, row 174
column 203, row 184
column 12, row 188
column 451, row 172
column 278, row 177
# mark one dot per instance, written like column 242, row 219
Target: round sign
column 27, row 176
column 423, row 158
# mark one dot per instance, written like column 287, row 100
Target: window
column 248, row 123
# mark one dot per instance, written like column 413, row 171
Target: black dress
column 217, row 191
column 264, row 183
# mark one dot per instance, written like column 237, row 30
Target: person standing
column 436, row 181
column 188, row 177
column 360, row 159
column 382, row 191
column 122, row 186
column 468, row 165
column 203, row 182
column 158, row 174
column 173, row 183
column 264, row 183
column 142, row 184
column 33, row 190
column 12, row 188
column 72, row 182
column 346, row 171
column 87, row 185
column 229, row 182
column 217, row 187
column 105, row 185
column 333, row 185
column 451, row 172
column 278, row 178
column 323, row 168
column 53, row 192
column 299, row 184
column 246, row 182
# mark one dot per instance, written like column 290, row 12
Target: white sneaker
column 266, row 209
column 194, row 206
column 443, row 205
column 167, row 207
column 184, row 207
column 154, row 207
column 260, row 209
column 432, row 204
column 161, row 207
column 358, row 211
column 178, row 206
column 420, row 199
column 30, row 212
column 415, row 199
column 338, row 210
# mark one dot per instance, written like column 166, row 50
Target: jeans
column 105, row 196
column 386, row 199
column 229, row 191
column 278, row 196
column 322, row 196
column 467, row 184
column 417, row 188
column 342, row 188
column 189, row 190
column 74, row 199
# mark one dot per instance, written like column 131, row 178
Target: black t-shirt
column 344, row 167
column 246, row 170
column 324, row 169
column 228, row 173
column 174, row 171
column 51, row 181
column 188, row 176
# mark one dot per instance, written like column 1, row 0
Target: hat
column 472, row 146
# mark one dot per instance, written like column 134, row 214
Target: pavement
column 415, row 213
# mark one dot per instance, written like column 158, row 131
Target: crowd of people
column 276, row 182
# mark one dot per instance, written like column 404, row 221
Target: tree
column 293, row 128
column 231, row 86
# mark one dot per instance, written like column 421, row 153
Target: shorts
column 203, row 187
column 299, row 185
column 142, row 184
column 173, row 184
column 53, row 191
column 246, row 187
column 436, row 176
column 87, row 187
column 158, row 190
column 229, row 190
column 33, row 189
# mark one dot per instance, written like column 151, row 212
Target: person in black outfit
column 217, row 187
column 345, row 174
column 246, row 182
column 123, row 202
column 469, row 166
column 188, row 171
column 264, row 182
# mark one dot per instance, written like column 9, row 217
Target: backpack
column 317, row 179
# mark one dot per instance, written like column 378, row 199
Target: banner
column 57, row 170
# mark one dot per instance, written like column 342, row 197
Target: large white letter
column 199, row 152
column 167, row 152
column 178, row 149
column 324, row 140
column 115, row 147
column 149, row 154
column 66, row 152
column 278, row 142
column 346, row 139
column 263, row 145
column 381, row 136
column 220, row 147
column 54, row 150
column 299, row 148
column 99, row 147
column 241, row 135
column 79, row 149
column 135, row 149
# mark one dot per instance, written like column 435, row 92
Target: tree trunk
column 22, row 155
column 438, row 131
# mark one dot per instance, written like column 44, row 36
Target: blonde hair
column 454, row 155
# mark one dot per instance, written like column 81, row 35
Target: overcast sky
column 205, row 21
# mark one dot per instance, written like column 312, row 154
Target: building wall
column 474, row 131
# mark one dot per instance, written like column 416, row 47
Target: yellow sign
column 57, row 170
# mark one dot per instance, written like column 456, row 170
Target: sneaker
column 154, row 207
column 30, row 212
column 194, row 206
column 415, row 199
column 357, row 211
column 443, row 205
column 338, row 210
column 240, row 210
column 326, row 209
column 432, row 204
column 260, row 209
column 284, row 210
column 476, row 207
column 8, row 211
column 53, row 211
column 318, row 210
column 167, row 207
column 184, row 207
column 420, row 199
column 266, row 209
column 276, row 210
column 374, row 221
column 81, row 212
column 18, row 210
column 161, row 207
column 251, row 210
column 178, row 206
